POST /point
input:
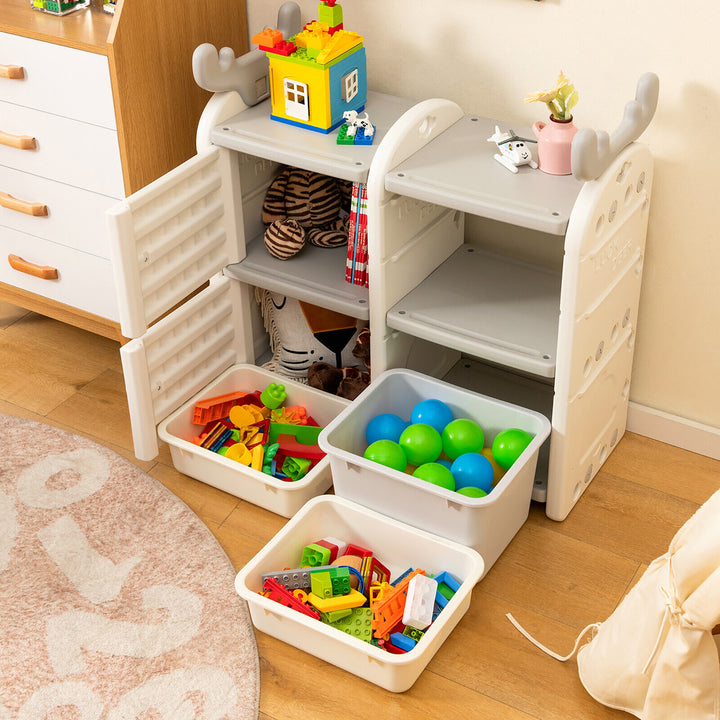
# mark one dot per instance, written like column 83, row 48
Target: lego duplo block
column 419, row 602
column 304, row 434
column 330, row 582
column 402, row 641
column 447, row 587
column 413, row 633
column 358, row 624
column 331, row 617
column 314, row 555
column 277, row 592
column 389, row 611
column 333, row 16
column 297, row 579
column 340, row 602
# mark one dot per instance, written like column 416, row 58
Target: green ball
column 462, row 436
column 436, row 474
column 388, row 453
column 509, row 445
column 421, row 443
column 473, row 492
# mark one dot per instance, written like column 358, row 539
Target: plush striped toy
column 302, row 206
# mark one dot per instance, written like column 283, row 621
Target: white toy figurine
column 513, row 150
column 353, row 120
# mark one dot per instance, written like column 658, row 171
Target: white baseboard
column 674, row 430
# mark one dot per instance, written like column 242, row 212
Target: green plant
column 560, row 100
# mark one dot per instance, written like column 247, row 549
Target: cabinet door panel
column 167, row 239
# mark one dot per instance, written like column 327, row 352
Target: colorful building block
column 419, row 602
column 447, row 587
column 358, row 624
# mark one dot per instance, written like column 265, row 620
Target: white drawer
column 83, row 281
column 75, row 217
column 68, row 151
column 60, row 80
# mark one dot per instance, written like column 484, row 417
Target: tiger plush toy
column 302, row 206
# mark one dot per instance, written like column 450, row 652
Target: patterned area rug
column 114, row 597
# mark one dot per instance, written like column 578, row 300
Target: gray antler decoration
column 593, row 151
column 248, row 74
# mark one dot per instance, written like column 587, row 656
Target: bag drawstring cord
column 537, row 644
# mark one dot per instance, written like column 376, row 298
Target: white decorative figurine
column 513, row 150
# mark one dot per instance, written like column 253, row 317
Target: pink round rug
column 114, row 597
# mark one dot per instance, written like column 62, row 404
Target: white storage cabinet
column 559, row 340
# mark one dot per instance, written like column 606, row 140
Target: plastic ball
column 446, row 463
column 472, row 492
column 432, row 412
column 498, row 472
column 388, row 453
column 509, row 445
column 421, row 443
column 462, row 436
column 436, row 474
column 472, row 470
column 386, row 426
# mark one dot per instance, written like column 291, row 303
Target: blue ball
column 387, row 426
column 446, row 463
column 432, row 412
column 472, row 470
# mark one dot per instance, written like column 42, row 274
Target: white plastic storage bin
column 486, row 524
column 398, row 547
column 282, row 497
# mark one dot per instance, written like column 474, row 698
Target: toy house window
column 350, row 85
column 296, row 99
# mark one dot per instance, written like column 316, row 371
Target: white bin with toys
column 401, row 551
column 484, row 522
column 284, row 497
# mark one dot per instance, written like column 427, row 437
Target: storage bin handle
column 12, row 72
column 24, row 206
column 21, row 142
column 45, row 272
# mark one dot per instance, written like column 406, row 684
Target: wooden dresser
column 92, row 108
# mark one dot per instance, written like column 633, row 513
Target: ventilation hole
column 626, row 389
column 599, row 224
column 631, row 341
column 469, row 249
column 614, row 438
column 599, row 351
column 588, row 474
column 612, row 211
column 626, row 319
column 623, row 172
column 588, row 367
column 614, row 332
column 603, row 454
column 628, row 194
column 577, row 492
column 641, row 182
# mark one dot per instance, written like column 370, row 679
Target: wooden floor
column 554, row 577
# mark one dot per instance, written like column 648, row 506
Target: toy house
column 317, row 74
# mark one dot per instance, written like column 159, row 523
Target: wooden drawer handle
column 12, row 72
column 22, row 142
column 23, row 206
column 42, row 271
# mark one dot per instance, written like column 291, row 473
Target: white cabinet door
column 168, row 238
column 181, row 354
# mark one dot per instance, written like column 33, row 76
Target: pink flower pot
column 554, row 141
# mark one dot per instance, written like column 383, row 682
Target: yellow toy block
column 239, row 453
column 316, row 83
column 258, row 455
column 340, row 602
column 342, row 41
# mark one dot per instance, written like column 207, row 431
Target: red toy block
column 290, row 447
column 214, row 408
column 357, row 550
column 331, row 547
column 275, row 591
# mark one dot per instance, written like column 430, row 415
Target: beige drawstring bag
column 655, row 656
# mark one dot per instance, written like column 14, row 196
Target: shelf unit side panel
column 602, row 275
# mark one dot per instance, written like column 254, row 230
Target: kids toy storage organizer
column 555, row 340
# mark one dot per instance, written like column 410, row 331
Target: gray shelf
column 487, row 306
column 254, row 132
column 457, row 169
column 315, row 275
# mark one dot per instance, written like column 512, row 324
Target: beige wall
column 487, row 54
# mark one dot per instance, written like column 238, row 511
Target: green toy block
column 445, row 590
column 273, row 396
column 330, row 582
column 342, row 137
column 333, row 16
column 321, row 584
column 304, row 434
column 358, row 624
column 334, row 615
column 296, row 468
column 314, row 555
column 413, row 633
